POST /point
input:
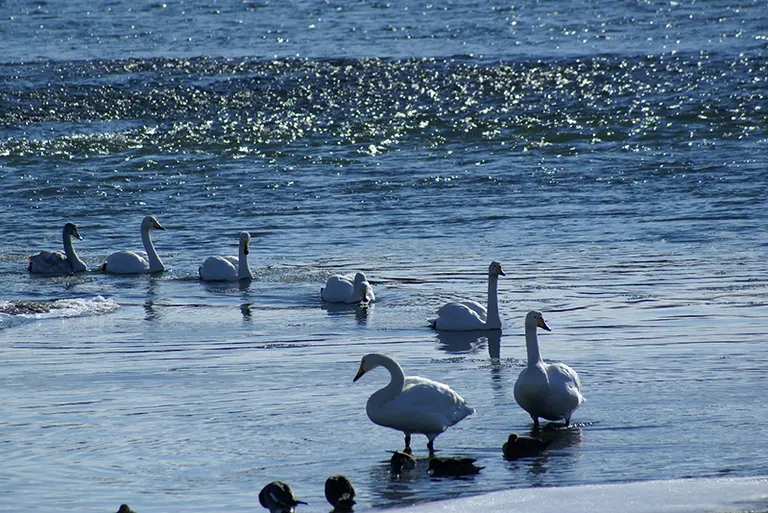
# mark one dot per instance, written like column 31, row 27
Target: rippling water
column 612, row 157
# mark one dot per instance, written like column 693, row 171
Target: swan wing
column 550, row 391
column 475, row 307
column 423, row 407
column 126, row 262
column 460, row 317
column 339, row 289
column 566, row 383
column 218, row 268
column 434, row 400
column 49, row 262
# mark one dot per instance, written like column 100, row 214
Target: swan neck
column 492, row 319
column 155, row 264
column 532, row 346
column 395, row 385
column 243, row 271
column 69, row 250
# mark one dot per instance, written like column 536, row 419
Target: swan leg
column 431, row 447
column 535, row 422
column 408, row 443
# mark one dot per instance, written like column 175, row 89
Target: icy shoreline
column 674, row 496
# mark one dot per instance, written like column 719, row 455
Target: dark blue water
column 612, row 157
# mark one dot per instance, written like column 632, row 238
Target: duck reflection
column 389, row 487
column 557, row 456
column 245, row 309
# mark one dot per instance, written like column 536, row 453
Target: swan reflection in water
column 361, row 311
column 471, row 342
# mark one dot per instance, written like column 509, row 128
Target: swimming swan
column 345, row 289
column 228, row 268
column 548, row 390
column 412, row 404
column 132, row 262
column 471, row 315
column 56, row 262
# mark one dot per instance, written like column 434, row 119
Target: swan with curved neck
column 136, row 262
column 471, row 315
column 412, row 404
column 228, row 268
column 56, row 262
column 347, row 289
column 548, row 390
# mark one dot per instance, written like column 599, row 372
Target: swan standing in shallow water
column 56, row 262
column 345, row 289
column 548, row 390
column 228, row 268
column 412, row 404
column 471, row 315
column 133, row 262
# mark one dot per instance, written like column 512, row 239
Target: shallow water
column 621, row 182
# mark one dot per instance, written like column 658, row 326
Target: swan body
column 471, row 315
column 412, row 404
column 228, row 268
column 340, row 493
column 56, row 262
column 548, row 390
column 278, row 497
column 347, row 289
column 523, row 446
column 136, row 262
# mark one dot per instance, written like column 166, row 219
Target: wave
column 17, row 311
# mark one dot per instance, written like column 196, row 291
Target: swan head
column 535, row 320
column 360, row 278
column 245, row 240
column 495, row 269
column 71, row 229
column 365, row 292
column 368, row 363
column 150, row 223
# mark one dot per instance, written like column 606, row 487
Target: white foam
column 56, row 309
column 706, row 495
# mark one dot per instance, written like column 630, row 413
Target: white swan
column 548, row 390
column 412, row 404
column 228, row 268
column 471, row 315
column 347, row 289
column 135, row 262
column 56, row 262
